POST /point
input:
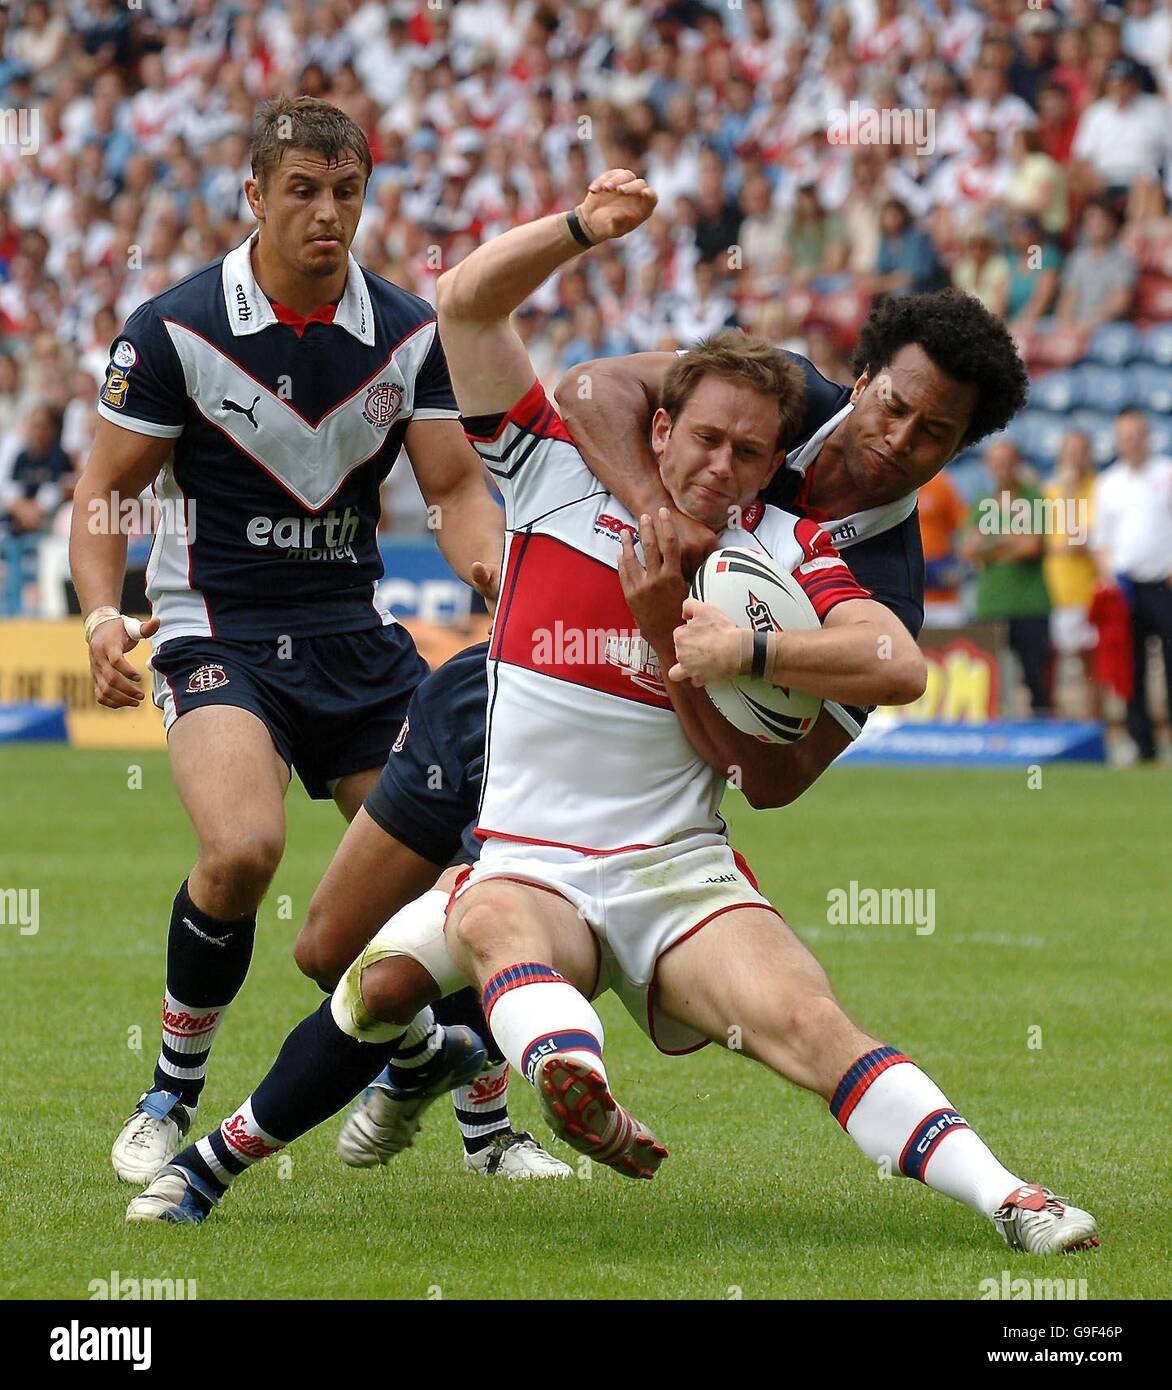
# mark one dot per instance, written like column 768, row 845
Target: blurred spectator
column 861, row 211
column 39, row 480
column 1069, row 564
column 1125, row 135
column 762, row 227
column 1034, row 273
column 814, row 248
column 1034, row 60
column 906, row 260
column 1072, row 71
column 982, row 270
column 943, row 513
column 1038, row 185
column 706, row 309
column 591, row 338
column 1057, row 121
column 1098, row 281
column 970, row 184
column 718, row 218
column 1132, row 540
column 1007, row 553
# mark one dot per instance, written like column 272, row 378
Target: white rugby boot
column 1033, row 1220
column 510, row 1154
column 580, row 1110
column 175, row 1195
column 151, row 1137
column 386, row 1118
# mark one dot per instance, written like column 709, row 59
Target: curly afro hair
column 963, row 339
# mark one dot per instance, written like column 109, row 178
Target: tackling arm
column 611, row 425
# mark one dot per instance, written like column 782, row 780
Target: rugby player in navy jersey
column 264, row 399
column 881, row 1096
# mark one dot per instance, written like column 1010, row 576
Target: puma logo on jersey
column 246, row 411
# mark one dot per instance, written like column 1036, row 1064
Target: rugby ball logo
column 758, row 595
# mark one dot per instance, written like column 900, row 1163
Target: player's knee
column 243, row 861
column 811, row 1023
column 482, row 931
column 313, row 960
column 395, row 989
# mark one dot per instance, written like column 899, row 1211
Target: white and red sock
column 532, row 1011
column 893, row 1111
column 482, row 1108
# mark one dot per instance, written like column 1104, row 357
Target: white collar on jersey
column 861, row 526
column 249, row 309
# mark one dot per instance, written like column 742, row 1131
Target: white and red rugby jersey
column 583, row 748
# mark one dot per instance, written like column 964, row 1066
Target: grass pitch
column 1039, row 1003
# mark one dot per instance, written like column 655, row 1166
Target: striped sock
column 893, row 1111
column 225, row 1153
column 317, row 1071
column 188, row 1033
column 207, row 961
column 482, row 1109
column 532, row 1011
column 421, row 1043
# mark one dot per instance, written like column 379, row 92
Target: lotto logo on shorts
column 207, row 678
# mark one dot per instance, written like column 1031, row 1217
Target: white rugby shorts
column 638, row 903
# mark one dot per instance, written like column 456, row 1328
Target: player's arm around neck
column 121, row 464
column 490, row 368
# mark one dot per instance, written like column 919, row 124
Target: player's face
column 907, row 423
column 720, row 452
column 311, row 208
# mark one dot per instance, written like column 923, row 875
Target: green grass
column 1051, row 910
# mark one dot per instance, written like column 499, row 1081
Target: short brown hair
column 304, row 123
column 740, row 357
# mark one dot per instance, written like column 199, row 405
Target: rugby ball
column 754, row 593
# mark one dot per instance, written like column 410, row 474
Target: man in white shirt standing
column 1133, row 548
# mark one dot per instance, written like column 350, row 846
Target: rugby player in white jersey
column 604, row 860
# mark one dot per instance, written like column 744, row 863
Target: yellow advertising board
column 45, row 662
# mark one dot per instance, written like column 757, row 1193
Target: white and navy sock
column 895, row 1112
column 421, row 1043
column 482, row 1108
column 207, row 961
column 318, row 1070
column 532, row 1011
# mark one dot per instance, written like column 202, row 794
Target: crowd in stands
column 809, row 155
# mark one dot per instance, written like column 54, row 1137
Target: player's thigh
column 349, row 792
column 231, row 780
column 745, row 970
column 371, row 877
column 499, row 922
